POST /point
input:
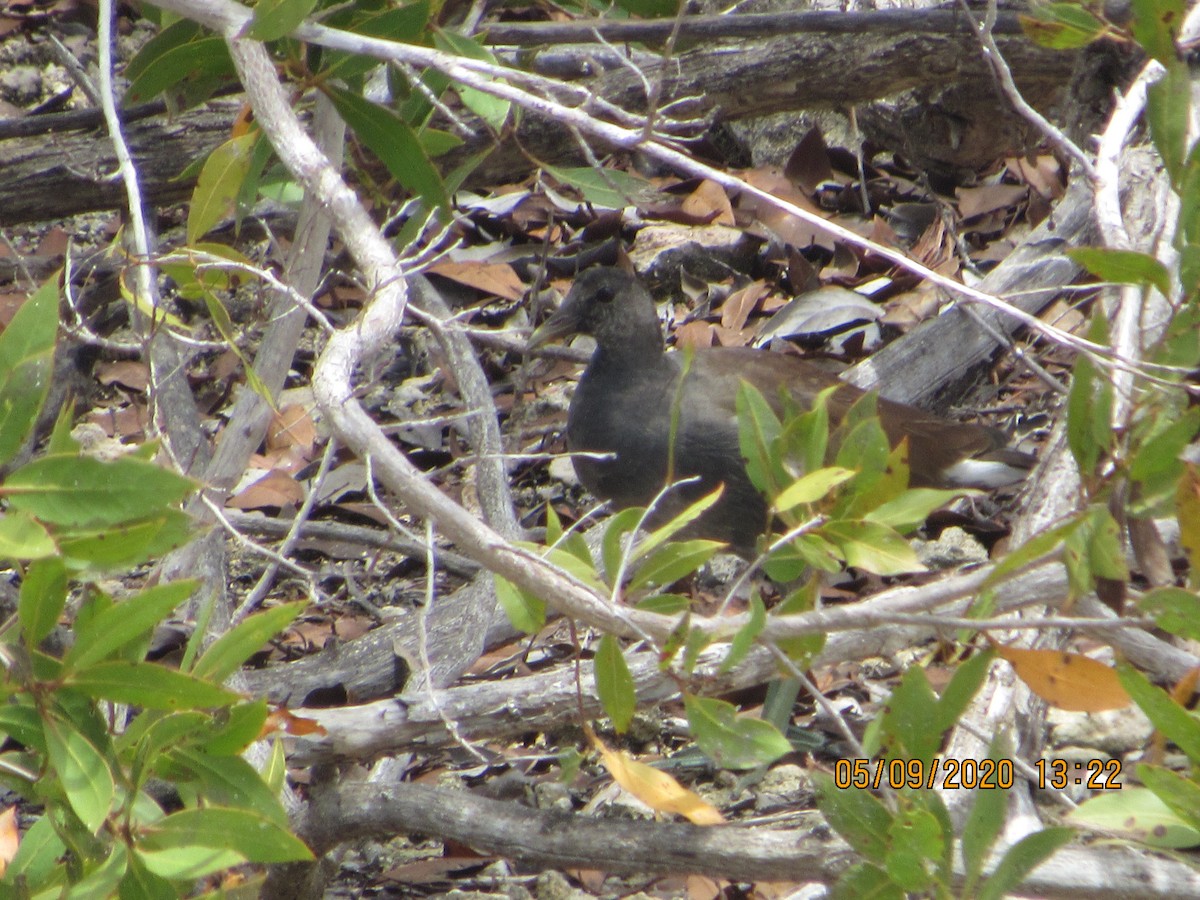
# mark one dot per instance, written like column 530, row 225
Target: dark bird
column 625, row 400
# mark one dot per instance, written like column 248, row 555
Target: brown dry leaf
column 53, row 243
column 126, row 372
column 1185, row 687
column 276, row 488
column 935, row 249
column 1067, row 680
column 9, row 304
column 1043, row 174
column 701, row 887
column 790, row 230
column 732, row 337
column 291, row 427
column 737, row 306
column 490, row 278
column 975, row 201
column 655, row 788
column 1187, row 506
column 283, row 720
column 709, row 203
column 342, row 296
column 809, row 164
column 10, row 837
column 126, row 421
column 906, row 310
column 697, row 335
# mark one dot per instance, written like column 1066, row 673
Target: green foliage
column 614, row 684
column 1063, row 26
column 848, row 510
column 1089, row 408
column 730, row 740
column 907, row 843
column 77, row 754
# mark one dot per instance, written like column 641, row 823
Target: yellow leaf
column 1187, row 508
column 655, row 788
column 10, row 838
column 1067, row 680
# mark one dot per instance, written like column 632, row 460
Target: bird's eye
column 604, row 295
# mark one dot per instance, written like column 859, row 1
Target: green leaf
column 102, row 878
column 180, row 54
column 1062, row 26
column 730, row 741
column 225, row 781
column 613, row 544
column 1174, row 610
column 241, row 726
column 758, row 431
column 812, row 487
column 1136, row 813
column 1035, row 548
column 237, row 645
column 867, row 882
column 220, row 182
column 274, row 19
column 127, row 544
column 650, row 9
column 1022, row 858
column 984, row 825
column 405, row 24
column 79, row 491
column 23, row 723
column 1156, row 24
column 871, row 546
column 125, row 622
column 1123, row 267
column 1089, row 406
column 665, row 532
column 963, row 686
column 26, row 361
column 910, row 715
column 805, row 438
column 1156, row 462
column 912, row 508
column 526, row 612
column 82, row 771
column 152, row 733
column 554, row 529
column 38, row 855
column 22, row 537
column 149, row 685
column 1181, row 795
column 42, row 599
column 140, row 883
column 916, row 842
column 493, row 110
column 603, row 188
column 188, row 863
column 392, row 140
column 746, row 636
column 674, row 561
column 1168, row 109
column 864, row 447
column 614, row 684
column 664, row 604
column 255, row 837
column 1168, row 716
column 197, row 277
column 859, row 817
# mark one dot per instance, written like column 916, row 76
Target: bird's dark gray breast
column 628, row 412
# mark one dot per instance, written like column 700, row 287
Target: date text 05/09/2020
column 971, row 774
